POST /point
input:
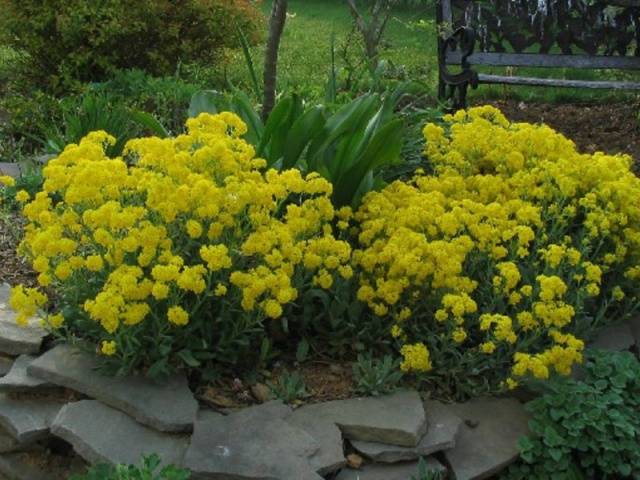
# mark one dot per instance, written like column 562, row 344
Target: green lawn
column 305, row 51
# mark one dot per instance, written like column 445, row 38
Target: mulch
column 607, row 127
column 13, row 269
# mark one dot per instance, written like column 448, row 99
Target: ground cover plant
column 587, row 428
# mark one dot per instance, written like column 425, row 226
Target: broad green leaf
column 384, row 149
column 277, row 118
column 302, row 132
column 207, row 101
column 187, row 357
column 246, row 50
column 242, row 106
column 149, row 122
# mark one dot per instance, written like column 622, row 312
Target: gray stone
column 15, row 339
column 18, row 380
column 11, row 169
column 27, row 420
column 168, row 407
column 7, row 442
column 442, row 428
column 397, row 471
column 275, row 409
column 5, row 365
column 250, row 445
column 396, row 419
column 330, row 454
column 44, row 158
column 99, row 433
column 616, row 338
column 487, row 441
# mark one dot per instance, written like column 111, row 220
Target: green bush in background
column 75, row 40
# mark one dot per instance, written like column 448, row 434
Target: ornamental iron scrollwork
column 552, row 26
column 454, row 86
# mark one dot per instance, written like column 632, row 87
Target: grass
column 305, row 51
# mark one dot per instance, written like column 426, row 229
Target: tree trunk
column 373, row 29
column 276, row 26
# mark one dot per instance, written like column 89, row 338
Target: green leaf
column 242, row 106
column 246, row 51
column 207, row 101
column 384, row 149
column 302, row 351
column 302, row 132
column 149, row 122
column 281, row 135
column 187, row 357
column 277, row 118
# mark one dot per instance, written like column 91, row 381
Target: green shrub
column 586, row 429
column 149, row 470
column 166, row 98
column 75, row 40
column 28, row 116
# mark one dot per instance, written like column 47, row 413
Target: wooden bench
column 534, row 33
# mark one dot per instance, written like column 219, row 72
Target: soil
column 323, row 381
column 611, row 128
column 13, row 269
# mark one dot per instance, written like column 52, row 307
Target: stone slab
column 11, row 169
column 396, row 419
column 615, row 338
column 27, row 420
column 5, row 365
column 330, row 454
column 250, row 445
column 443, row 426
column 397, row 471
column 99, row 433
column 168, row 407
column 490, row 446
column 14, row 339
column 8, row 443
column 18, row 380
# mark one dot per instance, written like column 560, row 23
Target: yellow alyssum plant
column 179, row 251
column 496, row 266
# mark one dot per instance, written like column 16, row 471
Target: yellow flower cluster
column 180, row 230
column 27, row 302
column 499, row 251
